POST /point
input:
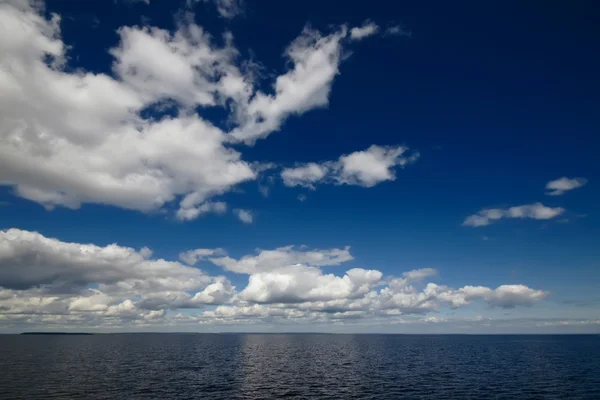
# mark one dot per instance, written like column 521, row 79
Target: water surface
column 258, row 366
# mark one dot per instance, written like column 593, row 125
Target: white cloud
column 28, row 259
column 189, row 212
column 559, row 186
column 504, row 296
column 510, row 296
column 74, row 137
column 364, row 168
column 229, row 8
column 268, row 260
column 45, row 275
column 215, row 293
column 291, row 277
column 244, row 215
column 420, row 274
column 31, row 260
column 49, row 282
column 315, row 59
column 374, row 165
column 534, row 211
column 191, row 257
column 301, row 283
column 369, row 28
column 305, row 175
column 398, row 30
column 184, row 66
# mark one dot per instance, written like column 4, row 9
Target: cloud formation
column 398, row 30
column 315, row 60
column 228, row 9
column 559, row 186
column 45, row 279
column 364, row 168
column 74, row 137
column 244, row 215
column 360, row 32
column 534, row 211
column 45, row 275
column 268, row 260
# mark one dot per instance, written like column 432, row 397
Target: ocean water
column 302, row 366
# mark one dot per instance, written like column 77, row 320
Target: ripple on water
column 255, row 366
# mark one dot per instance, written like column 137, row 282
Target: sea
column 299, row 366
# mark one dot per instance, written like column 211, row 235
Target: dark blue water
column 256, row 366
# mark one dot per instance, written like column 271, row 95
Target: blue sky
column 425, row 136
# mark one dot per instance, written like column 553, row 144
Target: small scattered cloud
column 193, row 212
column 304, row 175
column 302, row 197
column 191, row 257
column 360, row 32
column 364, row 168
column 560, row 186
column 534, row 211
column 228, row 9
column 398, row 30
column 244, row 215
column 419, row 274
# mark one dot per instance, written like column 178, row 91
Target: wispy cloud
column 533, row 211
column 559, row 186
column 244, row 215
column 367, row 29
column 398, row 30
column 364, row 168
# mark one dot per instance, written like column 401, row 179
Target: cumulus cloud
column 45, row 275
column 301, row 283
column 215, row 293
column 315, row 60
column 29, row 259
column 47, row 281
column 188, row 211
column 364, row 168
column 73, row 137
column 268, row 260
column 293, row 278
column 559, row 186
column 306, row 175
column 504, row 296
column 360, row 32
column 69, row 138
column 534, row 211
column 244, row 215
